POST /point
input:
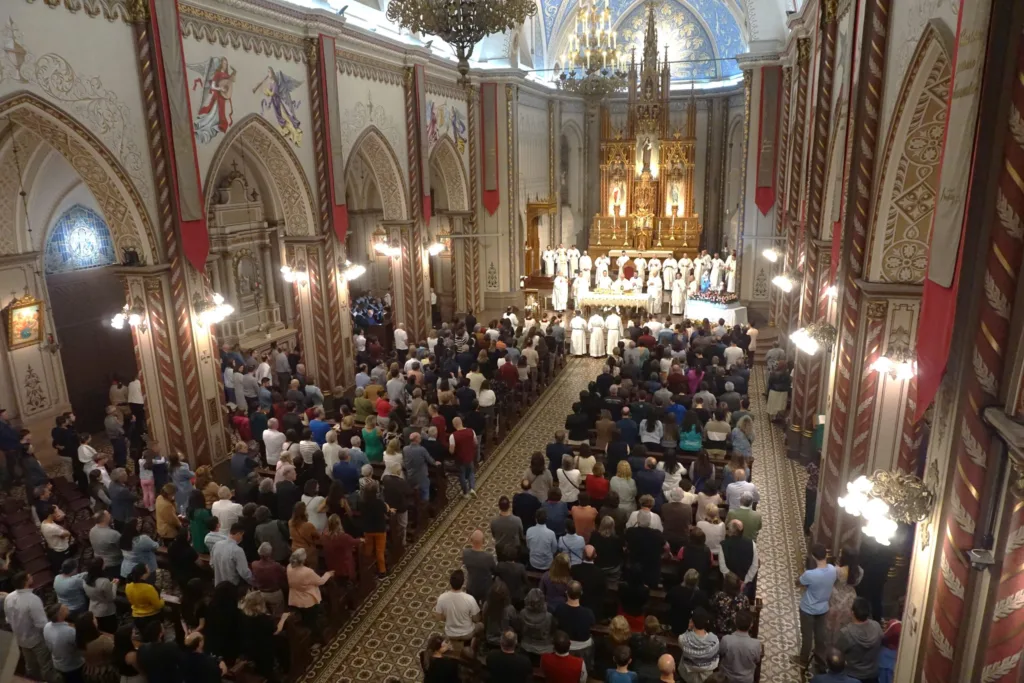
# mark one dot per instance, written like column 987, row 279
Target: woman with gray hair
column 304, row 592
column 269, row 578
column 535, row 624
column 743, row 437
column 274, row 532
column 257, row 629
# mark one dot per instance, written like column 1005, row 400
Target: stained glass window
column 80, row 239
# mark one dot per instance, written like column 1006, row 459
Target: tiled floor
column 387, row 633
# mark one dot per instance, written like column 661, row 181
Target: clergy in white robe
column 635, row 284
column 655, row 293
column 580, row 288
column 602, row 264
column 574, row 259
column 640, row 263
column 668, row 272
column 560, row 293
column 548, row 257
column 621, row 262
column 596, row 326
column 561, row 261
column 730, row 273
column 613, row 329
column 678, row 296
column 578, row 335
column 653, row 267
column 620, row 283
column 586, row 265
column 717, row 265
column 698, row 267
column 685, row 269
column 604, row 281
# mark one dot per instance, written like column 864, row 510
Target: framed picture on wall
column 25, row 322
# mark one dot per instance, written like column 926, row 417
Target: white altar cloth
column 733, row 314
column 631, row 300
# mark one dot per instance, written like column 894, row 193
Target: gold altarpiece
column 647, row 168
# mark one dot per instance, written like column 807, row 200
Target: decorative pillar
column 841, row 431
column 474, row 254
column 268, row 274
column 415, row 259
column 774, row 293
column 303, row 252
column 182, row 218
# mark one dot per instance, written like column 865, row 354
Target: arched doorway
column 450, row 271
column 81, row 208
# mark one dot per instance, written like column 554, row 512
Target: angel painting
column 458, row 130
column 277, row 91
column 432, row 122
column 217, row 79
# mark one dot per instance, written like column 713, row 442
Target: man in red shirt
column 437, row 420
column 646, row 339
column 560, row 666
column 509, row 374
column 463, row 446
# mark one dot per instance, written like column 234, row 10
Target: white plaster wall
column 366, row 103
column 700, row 169
column 57, row 188
column 909, row 18
column 250, row 69
column 758, row 230
column 533, row 146
column 94, row 81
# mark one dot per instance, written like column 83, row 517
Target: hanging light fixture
column 832, row 291
column 885, row 500
column 297, row 274
column 435, row 248
column 815, row 337
column 461, row 23
column 134, row 314
column 592, row 65
column 211, row 310
column 785, row 282
column 351, row 271
column 898, row 362
column 770, row 254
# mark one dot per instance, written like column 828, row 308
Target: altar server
column 640, row 263
column 560, row 293
column 730, row 272
column 717, row 265
column 685, row 268
column 602, row 264
column 668, row 272
column 613, row 328
column 596, row 327
column 548, row 257
column 580, row 287
column 653, row 267
column 656, row 293
column 679, row 295
column 578, row 335
column 621, row 262
column 698, row 267
column 586, row 265
column 574, row 258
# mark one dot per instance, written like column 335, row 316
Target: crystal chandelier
column 885, row 500
column 461, row 23
column 592, row 64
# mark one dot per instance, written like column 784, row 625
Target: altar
column 612, row 299
column 733, row 313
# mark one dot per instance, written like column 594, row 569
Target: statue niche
column 244, row 255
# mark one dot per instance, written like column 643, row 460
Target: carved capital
column 312, row 51
column 877, row 310
column 803, row 51
column 137, row 11
column 829, row 10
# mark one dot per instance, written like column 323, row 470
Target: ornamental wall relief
column 908, row 191
column 380, row 159
column 363, row 115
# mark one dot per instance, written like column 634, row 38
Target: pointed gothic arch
column 374, row 150
column 289, row 192
column 906, row 197
column 445, row 157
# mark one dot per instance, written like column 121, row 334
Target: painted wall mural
column 444, row 119
column 691, row 49
column 277, row 91
column 216, row 112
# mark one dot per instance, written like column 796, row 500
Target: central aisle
column 388, row 632
column 386, row 635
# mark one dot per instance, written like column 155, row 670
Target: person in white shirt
column 272, row 441
column 734, row 491
column 732, row 354
column 360, row 340
column 678, row 303
column 752, row 332
column 401, row 342
column 91, row 460
column 225, row 509
column 604, row 281
column 331, row 450
column 646, row 504
column 562, row 261
column 548, row 258
column 586, row 265
column 621, row 262
column 580, row 288
column 602, row 264
column 568, row 480
column 640, row 263
column 137, row 404
column 656, row 293
column 668, row 272
column 511, row 317
column 574, row 259
column 596, row 327
column 238, row 382
column 655, row 326
column 263, row 369
column 458, row 609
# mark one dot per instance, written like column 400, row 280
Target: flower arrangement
column 715, row 297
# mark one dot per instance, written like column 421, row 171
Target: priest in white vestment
column 621, row 262
column 716, row 273
column 698, row 267
column 653, row 267
column 580, row 288
column 574, row 259
column 560, row 293
column 604, row 281
column 586, row 265
column 730, row 272
column 685, row 269
column 640, row 263
column 561, row 261
column 668, row 272
column 548, row 257
column 578, row 335
column 596, row 327
column 613, row 328
column 620, row 283
column 602, row 264
column 679, row 296
column 655, row 293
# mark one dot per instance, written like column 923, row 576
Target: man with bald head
column 738, row 555
column 592, row 579
column 479, row 566
column 666, row 669
column 416, row 460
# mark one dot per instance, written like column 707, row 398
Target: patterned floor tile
column 385, row 636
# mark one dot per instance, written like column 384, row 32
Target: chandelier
column 592, row 64
column 134, row 314
column 461, row 23
column 885, row 500
column 899, row 363
column 211, row 309
column 814, row 337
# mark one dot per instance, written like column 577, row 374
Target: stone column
column 308, row 302
column 268, row 274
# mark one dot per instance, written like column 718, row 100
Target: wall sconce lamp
column 297, row 274
column 771, row 254
column 785, row 282
column 899, row 363
column 832, row 292
column 134, row 314
column 435, row 248
column 351, row 271
column 213, row 310
column 885, row 500
column 814, row 337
